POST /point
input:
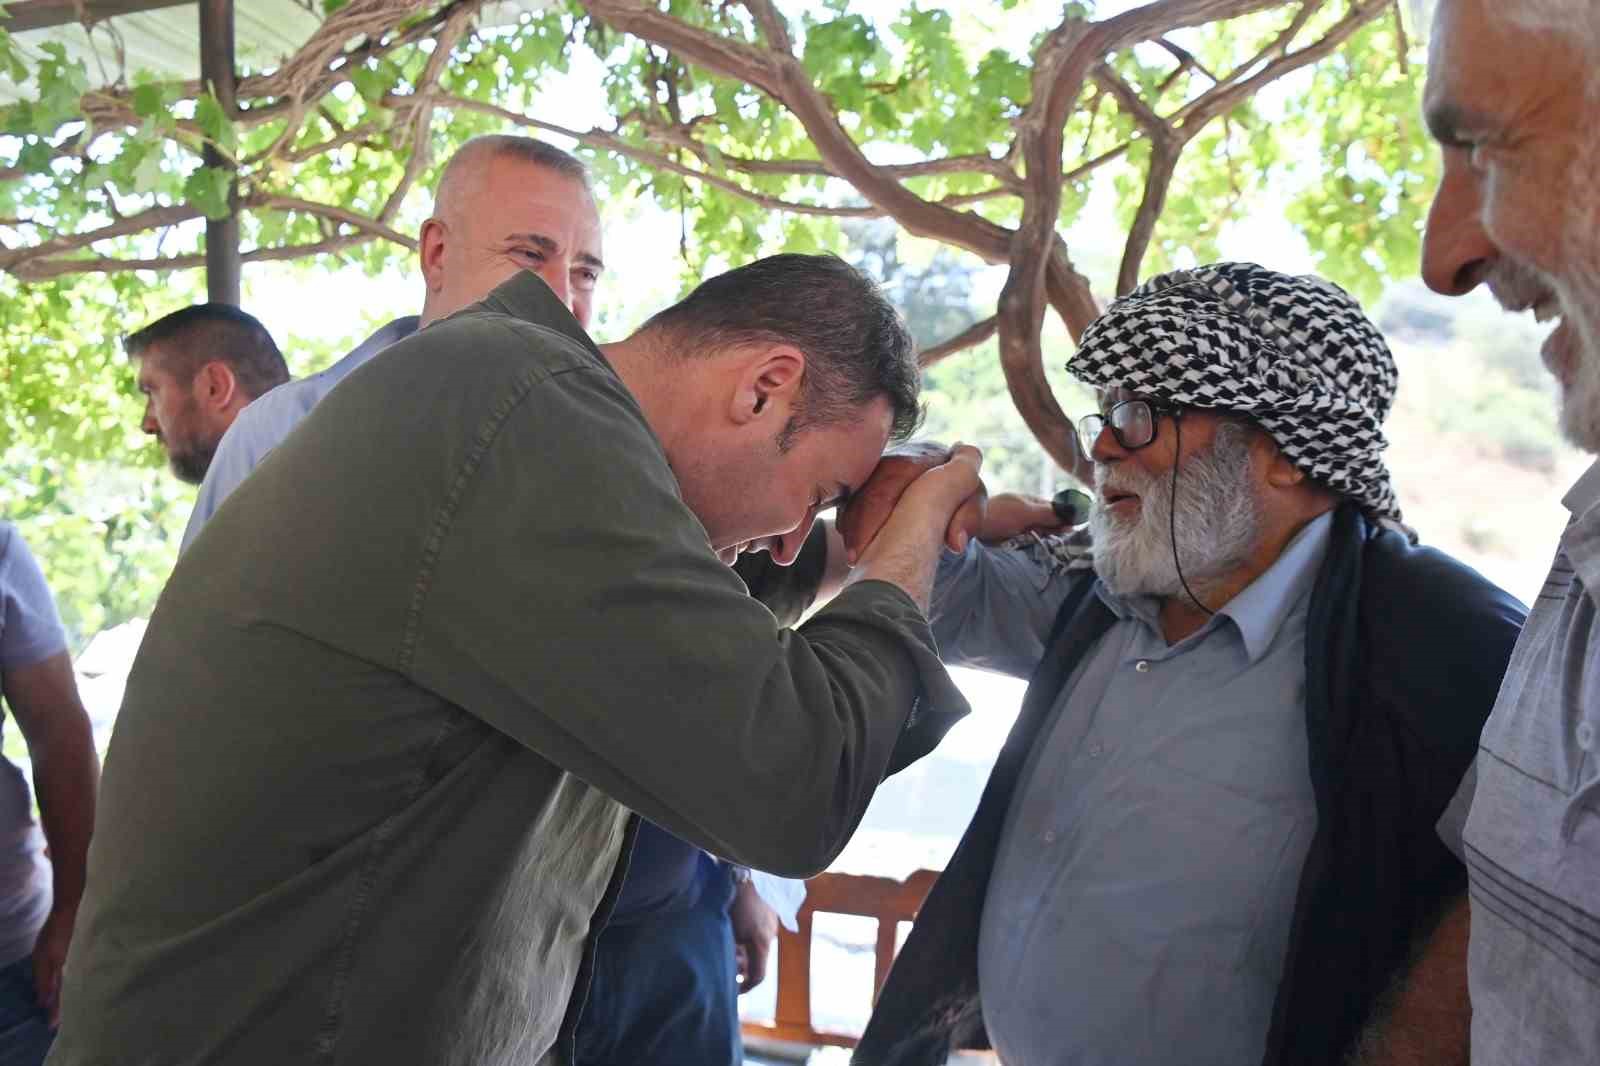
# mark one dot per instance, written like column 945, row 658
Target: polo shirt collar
column 1584, row 494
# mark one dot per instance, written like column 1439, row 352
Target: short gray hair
column 480, row 150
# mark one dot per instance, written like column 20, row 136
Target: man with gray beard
column 1513, row 99
column 1210, row 836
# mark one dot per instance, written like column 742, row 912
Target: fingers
column 955, row 486
column 951, row 483
column 870, row 506
column 755, row 970
column 968, row 521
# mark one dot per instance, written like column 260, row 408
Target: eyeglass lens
column 1132, row 423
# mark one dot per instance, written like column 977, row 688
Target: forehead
column 152, row 370
column 1110, row 397
column 517, row 196
column 1486, row 72
column 846, row 452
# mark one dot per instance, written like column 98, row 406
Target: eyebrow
column 550, row 246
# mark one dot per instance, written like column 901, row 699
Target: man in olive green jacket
column 377, row 757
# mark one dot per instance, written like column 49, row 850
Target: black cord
column 1172, row 513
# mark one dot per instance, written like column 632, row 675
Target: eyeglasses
column 1132, row 422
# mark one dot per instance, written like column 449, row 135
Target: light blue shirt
column 264, row 424
column 1139, row 908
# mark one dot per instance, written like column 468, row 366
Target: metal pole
column 217, row 74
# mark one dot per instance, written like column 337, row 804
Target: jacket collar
column 527, row 297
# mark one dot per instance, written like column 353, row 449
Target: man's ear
column 215, row 385
column 769, row 383
column 430, row 250
column 1281, row 473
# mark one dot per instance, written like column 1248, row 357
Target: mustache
column 1516, row 286
column 1134, row 483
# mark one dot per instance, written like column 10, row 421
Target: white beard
column 1218, row 522
column 1579, row 293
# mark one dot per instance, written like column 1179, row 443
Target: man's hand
column 49, row 956
column 905, row 551
column 871, row 505
column 755, row 926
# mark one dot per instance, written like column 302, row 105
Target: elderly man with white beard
column 1513, row 97
column 1210, row 836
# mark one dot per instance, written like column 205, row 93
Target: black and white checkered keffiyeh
column 1296, row 355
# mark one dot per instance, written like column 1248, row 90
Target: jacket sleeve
column 571, row 601
column 787, row 591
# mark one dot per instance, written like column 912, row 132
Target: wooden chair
column 888, row 901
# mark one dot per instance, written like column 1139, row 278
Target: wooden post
column 217, row 74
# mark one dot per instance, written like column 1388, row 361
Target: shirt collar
column 526, row 296
column 1259, row 611
column 389, row 333
column 1584, row 494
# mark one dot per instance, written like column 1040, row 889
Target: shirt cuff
column 783, row 895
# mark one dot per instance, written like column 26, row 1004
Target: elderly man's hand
column 870, row 506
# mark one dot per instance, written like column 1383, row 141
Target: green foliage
column 106, row 534
column 910, row 81
column 1367, row 187
column 965, row 396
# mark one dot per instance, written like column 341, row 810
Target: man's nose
column 1457, row 253
column 1107, row 449
column 786, row 549
column 555, row 275
column 149, row 423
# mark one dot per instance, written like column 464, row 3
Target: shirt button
column 1050, row 836
column 1143, row 666
column 1095, row 751
column 1586, row 736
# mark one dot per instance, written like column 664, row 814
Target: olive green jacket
column 380, row 746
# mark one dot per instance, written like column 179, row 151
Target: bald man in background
column 544, row 219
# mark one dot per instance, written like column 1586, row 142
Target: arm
column 571, row 602
column 44, row 700
column 1429, row 1017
